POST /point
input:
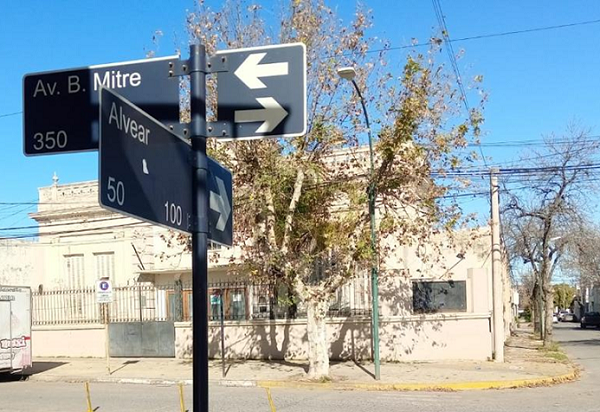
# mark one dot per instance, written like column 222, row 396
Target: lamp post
column 349, row 73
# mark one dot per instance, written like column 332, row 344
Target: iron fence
column 241, row 301
column 79, row 306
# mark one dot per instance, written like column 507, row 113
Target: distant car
column 554, row 318
column 562, row 315
column 590, row 319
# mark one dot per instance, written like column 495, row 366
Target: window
column 237, row 304
column 263, row 305
column 215, row 246
column 74, row 272
column 433, row 297
column 105, row 265
column 233, row 300
column 215, row 304
column 187, row 306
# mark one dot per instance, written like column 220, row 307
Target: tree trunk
column 535, row 311
column 318, row 344
column 549, row 295
column 541, row 313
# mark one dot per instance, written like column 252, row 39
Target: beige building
column 21, row 262
column 439, row 313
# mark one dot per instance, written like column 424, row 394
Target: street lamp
column 349, row 73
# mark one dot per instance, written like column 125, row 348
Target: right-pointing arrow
column 271, row 115
column 219, row 202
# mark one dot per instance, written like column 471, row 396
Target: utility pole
column 498, row 306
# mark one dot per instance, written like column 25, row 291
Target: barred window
column 75, row 281
column 74, row 272
column 433, row 297
column 105, row 265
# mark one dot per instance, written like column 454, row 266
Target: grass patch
column 559, row 356
column 552, row 347
column 554, row 351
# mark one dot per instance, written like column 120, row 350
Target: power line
column 65, row 224
column 48, row 203
column 437, row 6
column 10, row 114
column 535, row 142
column 70, row 232
column 450, row 50
column 490, row 35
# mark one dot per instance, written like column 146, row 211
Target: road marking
column 271, row 404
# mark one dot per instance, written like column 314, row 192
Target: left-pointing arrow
column 271, row 115
column 219, row 202
column 250, row 70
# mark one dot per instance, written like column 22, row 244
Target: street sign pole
column 200, row 197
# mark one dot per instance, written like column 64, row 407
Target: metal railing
column 79, row 306
column 242, row 301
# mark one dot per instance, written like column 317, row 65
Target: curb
column 237, row 383
column 341, row 386
column 134, row 381
column 428, row 387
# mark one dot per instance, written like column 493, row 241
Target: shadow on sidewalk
column 12, row 377
column 129, row 362
column 38, row 367
column 271, row 364
column 365, row 370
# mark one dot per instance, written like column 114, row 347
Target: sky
column 538, row 81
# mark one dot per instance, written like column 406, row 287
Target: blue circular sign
column 104, row 285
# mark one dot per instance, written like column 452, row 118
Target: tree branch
column 270, row 229
column 291, row 209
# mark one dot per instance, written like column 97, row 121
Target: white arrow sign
column 250, row 70
column 271, row 115
column 220, row 203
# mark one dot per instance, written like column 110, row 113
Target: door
column 142, row 339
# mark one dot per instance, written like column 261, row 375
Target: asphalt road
column 582, row 396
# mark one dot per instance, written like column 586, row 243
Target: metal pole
column 140, row 303
column 200, row 227
column 88, row 397
column 496, row 270
column 107, row 335
column 374, row 274
column 222, row 337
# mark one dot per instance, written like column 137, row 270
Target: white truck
column 15, row 328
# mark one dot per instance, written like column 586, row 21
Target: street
column 581, row 345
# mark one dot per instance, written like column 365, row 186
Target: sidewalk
column 525, row 365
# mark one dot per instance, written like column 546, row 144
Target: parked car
column 565, row 316
column 590, row 319
column 554, row 318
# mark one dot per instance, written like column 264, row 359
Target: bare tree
column 582, row 261
column 546, row 206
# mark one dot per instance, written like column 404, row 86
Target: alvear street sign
column 144, row 172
